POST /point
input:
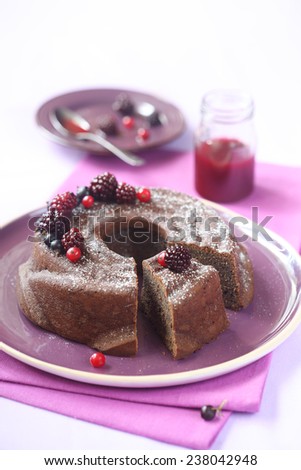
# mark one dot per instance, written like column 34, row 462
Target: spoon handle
column 99, row 139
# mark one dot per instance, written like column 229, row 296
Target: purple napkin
column 167, row 414
column 156, row 413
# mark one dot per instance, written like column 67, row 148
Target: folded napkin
column 169, row 414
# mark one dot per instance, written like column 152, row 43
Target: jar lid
column 227, row 105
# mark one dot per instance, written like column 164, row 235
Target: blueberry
column 57, row 246
column 81, row 192
column 208, row 412
column 48, row 239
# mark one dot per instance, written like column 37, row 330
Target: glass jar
column 225, row 146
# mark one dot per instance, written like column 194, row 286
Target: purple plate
column 268, row 321
column 92, row 104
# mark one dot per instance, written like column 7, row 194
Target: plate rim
column 80, row 146
column 172, row 379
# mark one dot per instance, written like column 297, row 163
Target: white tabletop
column 177, row 50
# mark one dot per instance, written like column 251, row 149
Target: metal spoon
column 69, row 122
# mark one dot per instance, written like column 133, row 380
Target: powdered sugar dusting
column 180, row 218
column 180, row 285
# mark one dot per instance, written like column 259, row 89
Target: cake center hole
column 137, row 238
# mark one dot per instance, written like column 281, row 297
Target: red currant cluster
column 124, row 106
column 142, row 132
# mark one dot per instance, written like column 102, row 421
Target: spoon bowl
column 68, row 122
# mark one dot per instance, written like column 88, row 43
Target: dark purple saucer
column 93, row 104
column 268, row 321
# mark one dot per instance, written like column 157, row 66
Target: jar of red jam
column 225, row 146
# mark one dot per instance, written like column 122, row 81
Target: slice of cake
column 186, row 308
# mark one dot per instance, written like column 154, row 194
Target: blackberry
column 72, row 238
column 103, row 187
column 123, row 105
column 108, row 125
column 154, row 119
column 177, row 258
column 63, row 202
column 125, row 194
column 54, row 223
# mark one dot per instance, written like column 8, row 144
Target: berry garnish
column 143, row 134
column 103, row 187
column 81, row 192
column 161, row 259
column 48, row 239
column 53, row 222
column 98, row 359
column 56, row 245
column 128, row 122
column 177, row 258
column 74, row 254
column 107, row 124
column 209, row 412
column 123, row 105
column 73, row 238
column 125, row 194
column 88, row 201
column 63, row 202
column 154, row 119
column 143, row 194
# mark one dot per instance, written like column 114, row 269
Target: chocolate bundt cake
column 81, row 280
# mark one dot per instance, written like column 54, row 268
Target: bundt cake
column 81, row 280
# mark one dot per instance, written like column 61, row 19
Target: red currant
column 143, row 194
column 161, row 259
column 143, row 134
column 98, row 359
column 88, row 201
column 74, row 254
column 128, row 122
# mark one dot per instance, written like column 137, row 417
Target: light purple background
column 252, row 44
